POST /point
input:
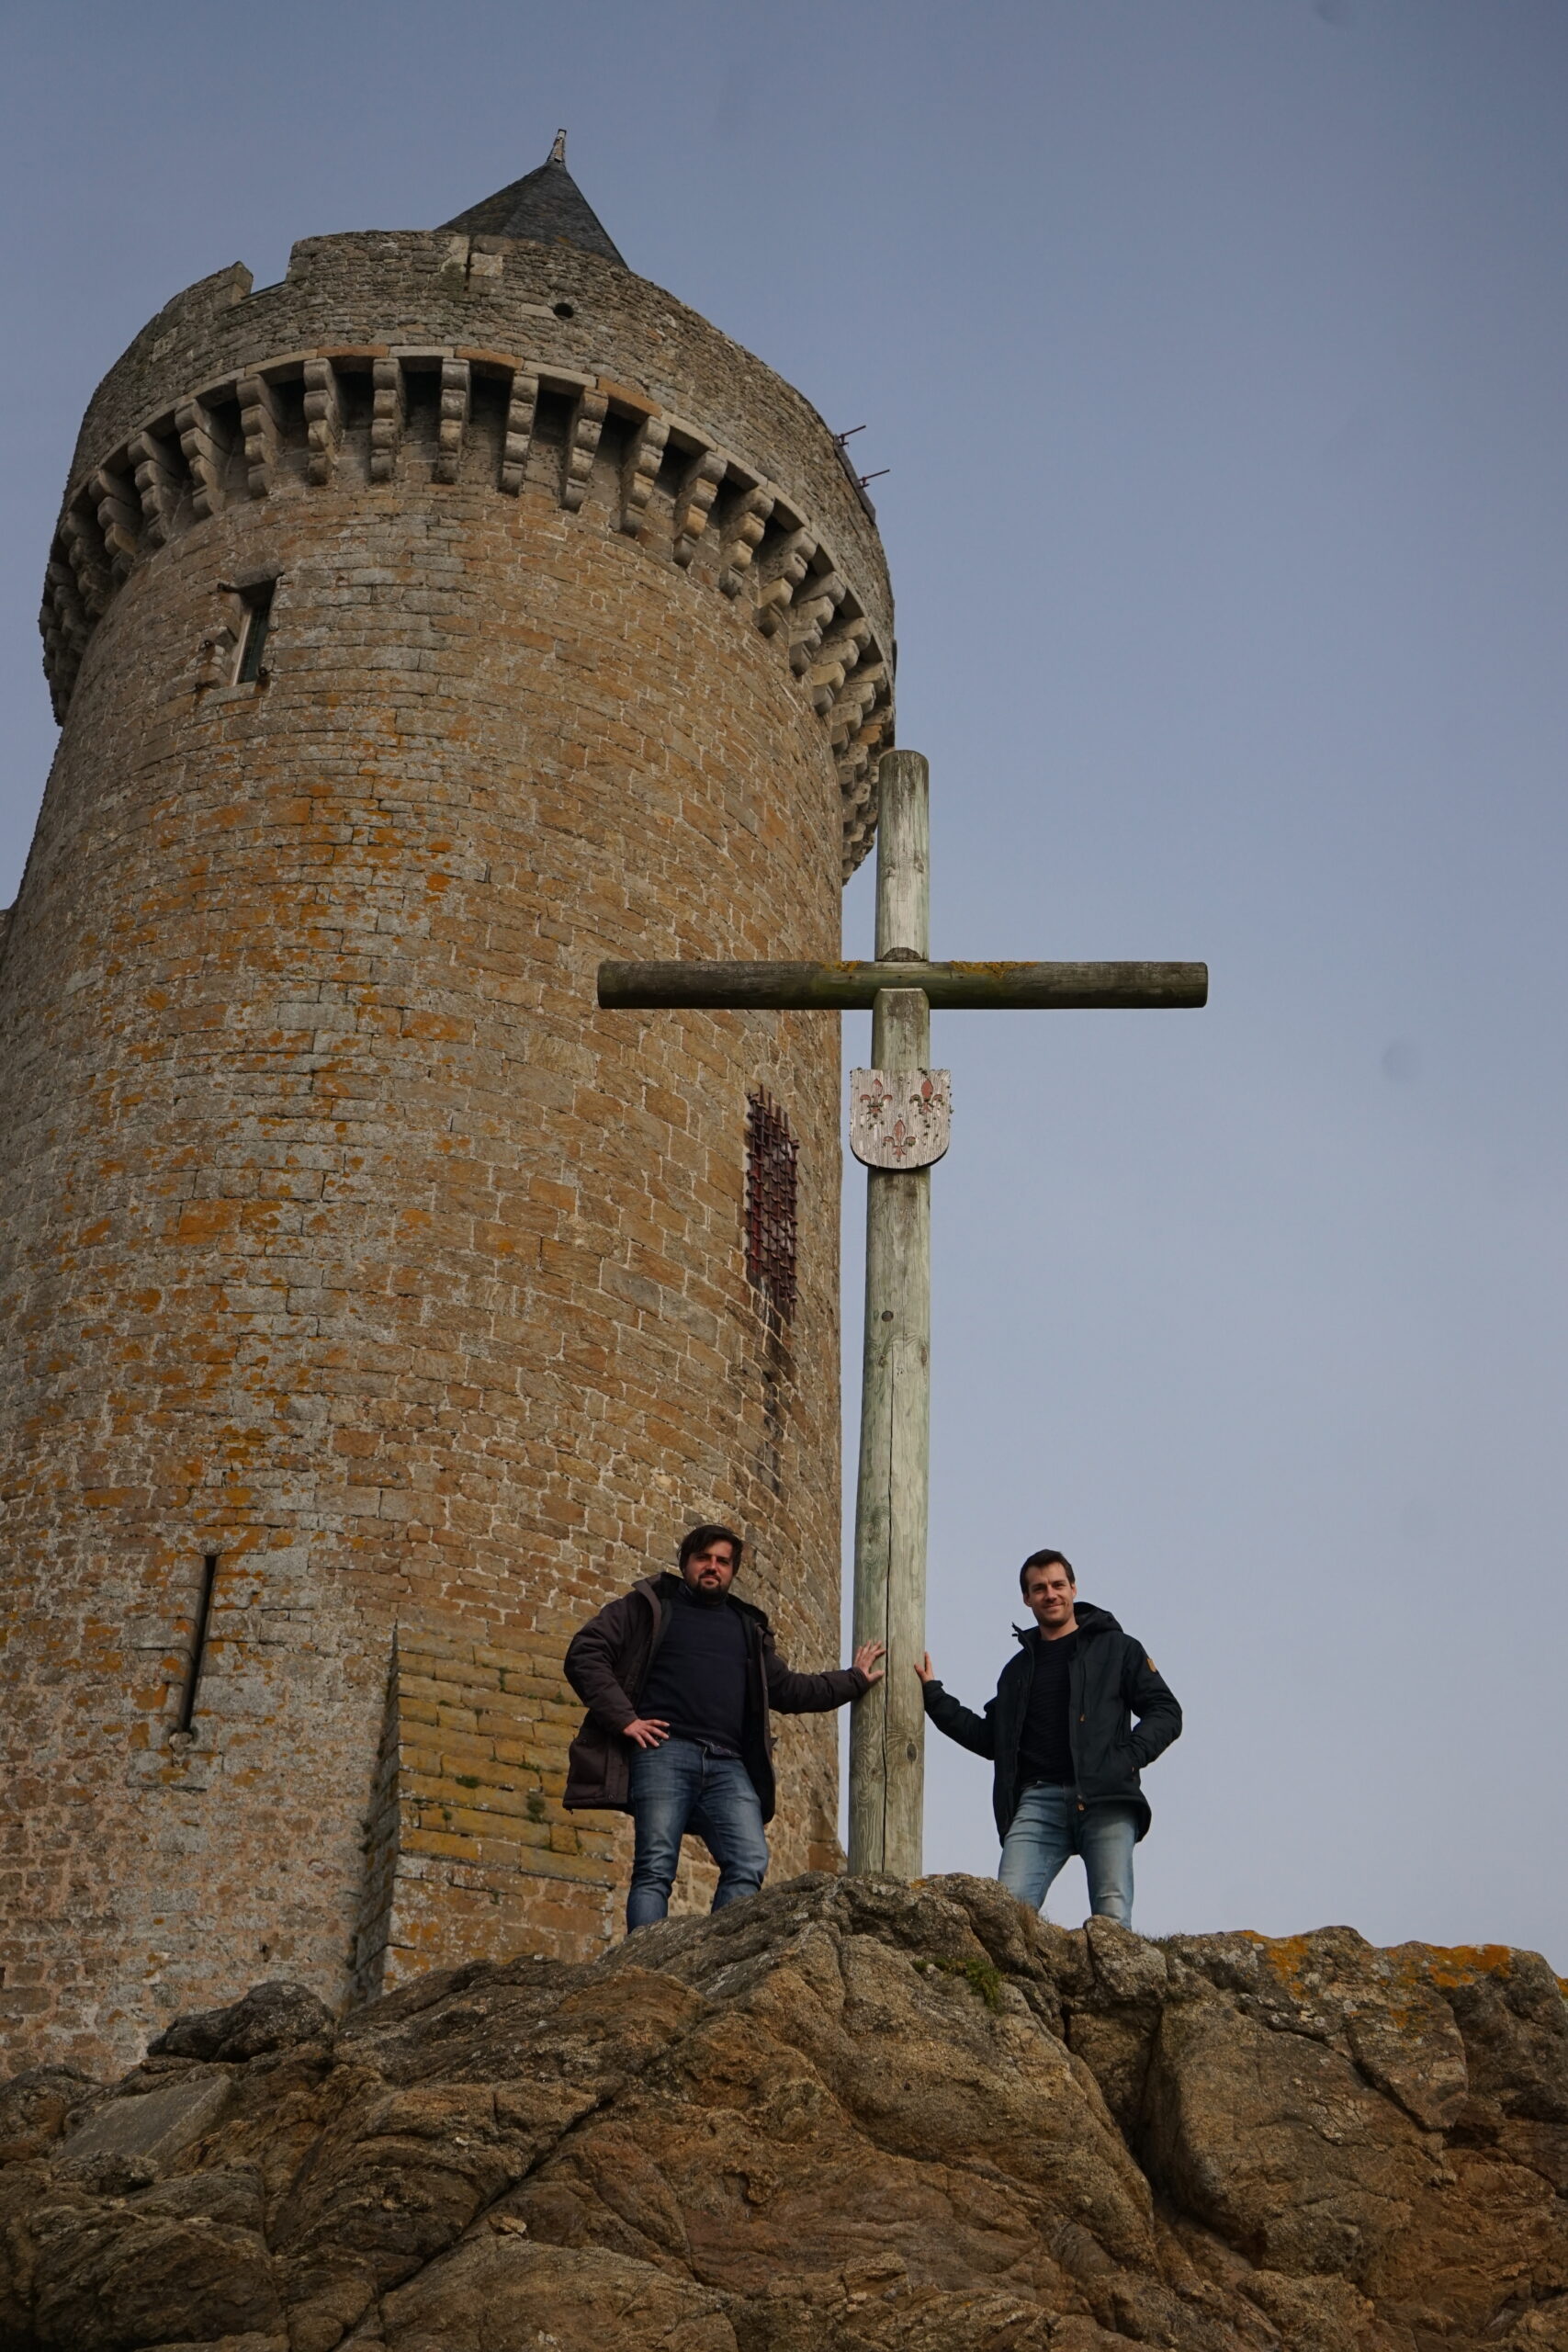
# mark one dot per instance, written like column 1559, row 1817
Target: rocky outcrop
column 849, row 2116
column 270, row 2016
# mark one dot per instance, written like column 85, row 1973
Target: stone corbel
column 324, row 420
column 74, row 624
column 645, row 455
column 581, row 441
column 157, row 486
column 66, row 631
column 520, row 410
column 817, row 600
column 693, row 501
column 387, row 409
column 120, row 520
column 746, row 525
column 56, row 643
column 859, row 698
column 856, row 762
column 786, row 568
column 84, row 553
column 259, row 423
column 456, row 391
column 840, row 654
column 859, row 821
column 62, row 656
column 203, row 454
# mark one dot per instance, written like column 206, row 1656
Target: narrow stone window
column 771, row 1155
column 252, row 633
column 196, row 1658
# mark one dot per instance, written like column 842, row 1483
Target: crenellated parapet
column 429, row 416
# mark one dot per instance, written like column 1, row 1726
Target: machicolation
column 167, row 445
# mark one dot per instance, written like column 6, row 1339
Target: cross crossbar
column 854, row 987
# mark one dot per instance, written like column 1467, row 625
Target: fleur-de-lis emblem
column 899, row 1118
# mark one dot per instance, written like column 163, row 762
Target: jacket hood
column 1090, row 1621
column 667, row 1584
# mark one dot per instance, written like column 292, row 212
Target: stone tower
column 423, row 629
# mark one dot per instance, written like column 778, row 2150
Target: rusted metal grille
column 771, row 1152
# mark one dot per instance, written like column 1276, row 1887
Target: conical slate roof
column 545, row 205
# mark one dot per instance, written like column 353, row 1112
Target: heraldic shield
column 900, row 1118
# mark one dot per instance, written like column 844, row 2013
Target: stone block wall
column 342, row 1237
column 471, row 1851
column 468, row 1835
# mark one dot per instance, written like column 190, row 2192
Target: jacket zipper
column 1015, row 1792
column 661, row 1626
column 1075, row 1700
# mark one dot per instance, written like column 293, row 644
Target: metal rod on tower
column 888, row 1726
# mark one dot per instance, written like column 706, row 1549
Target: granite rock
column 849, row 2116
column 269, row 2016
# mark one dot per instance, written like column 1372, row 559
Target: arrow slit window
column 252, row 637
column 770, row 1178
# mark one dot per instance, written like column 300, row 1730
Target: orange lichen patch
column 1287, row 1956
column 1450, row 1966
column 205, row 1220
column 1396, row 1977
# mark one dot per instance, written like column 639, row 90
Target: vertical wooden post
column 888, row 1726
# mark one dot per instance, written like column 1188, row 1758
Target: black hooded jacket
column 1110, row 1680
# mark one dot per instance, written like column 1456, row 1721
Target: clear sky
column 1218, row 351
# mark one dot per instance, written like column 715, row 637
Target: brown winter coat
column 607, row 1665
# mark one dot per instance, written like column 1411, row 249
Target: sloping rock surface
column 849, row 2116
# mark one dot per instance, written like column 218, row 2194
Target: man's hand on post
column 924, row 1667
column 645, row 1733
column 865, row 1657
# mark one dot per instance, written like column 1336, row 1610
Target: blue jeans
column 1048, row 1827
column 679, row 1786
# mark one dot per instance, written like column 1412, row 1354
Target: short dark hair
column 1045, row 1560
column 701, row 1538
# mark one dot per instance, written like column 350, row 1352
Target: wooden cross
column 898, row 1127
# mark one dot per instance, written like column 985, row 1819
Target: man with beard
column 1060, row 1734
column 679, row 1677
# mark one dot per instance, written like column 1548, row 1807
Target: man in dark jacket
column 678, row 1677
column 1060, row 1732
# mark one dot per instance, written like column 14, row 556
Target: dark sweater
column 1044, row 1747
column 697, row 1680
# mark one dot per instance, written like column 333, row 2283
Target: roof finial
column 545, row 205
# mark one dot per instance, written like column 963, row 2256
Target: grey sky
column 1218, row 349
